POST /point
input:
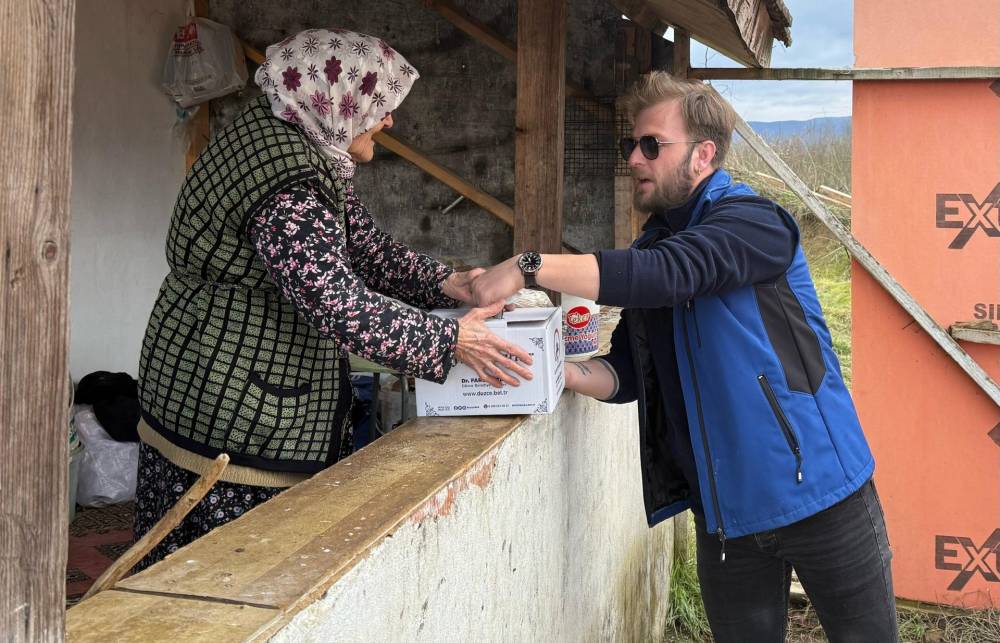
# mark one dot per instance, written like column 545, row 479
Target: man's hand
column 457, row 285
column 486, row 353
column 498, row 283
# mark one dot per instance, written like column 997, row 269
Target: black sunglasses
column 648, row 145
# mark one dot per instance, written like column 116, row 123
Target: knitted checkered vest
column 228, row 365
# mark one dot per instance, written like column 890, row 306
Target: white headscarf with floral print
column 335, row 85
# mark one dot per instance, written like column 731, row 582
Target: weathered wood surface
column 317, row 530
column 123, row 616
column 36, row 93
column 813, row 73
column 200, row 127
column 682, row 53
column 744, row 30
column 869, row 263
column 539, row 119
column 986, row 333
column 835, row 197
column 484, row 200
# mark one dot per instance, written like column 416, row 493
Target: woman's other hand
column 486, row 353
column 458, row 285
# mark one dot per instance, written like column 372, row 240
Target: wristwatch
column 530, row 263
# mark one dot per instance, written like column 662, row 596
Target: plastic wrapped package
column 205, row 61
column 107, row 468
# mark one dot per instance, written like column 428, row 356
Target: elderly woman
column 274, row 267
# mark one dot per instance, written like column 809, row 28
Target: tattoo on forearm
column 583, row 368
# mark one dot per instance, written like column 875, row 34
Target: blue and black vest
column 773, row 428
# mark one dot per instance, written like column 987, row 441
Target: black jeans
column 841, row 556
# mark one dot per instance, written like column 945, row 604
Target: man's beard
column 670, row 193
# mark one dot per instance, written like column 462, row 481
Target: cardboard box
column 539, row 332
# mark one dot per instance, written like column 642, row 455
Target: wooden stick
column 159, row 531
column 837, row 194
column 869, row 263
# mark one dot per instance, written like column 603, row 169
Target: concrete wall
column 552, row 546
column 447, row 529
column 460, row 112
column 127, row 167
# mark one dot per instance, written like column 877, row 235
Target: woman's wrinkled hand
column 458, row 285
column 493, row 359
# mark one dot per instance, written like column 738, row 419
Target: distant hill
column 811, row 129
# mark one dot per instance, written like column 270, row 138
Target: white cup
column 581, row 322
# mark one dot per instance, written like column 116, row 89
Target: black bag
column 115, row 398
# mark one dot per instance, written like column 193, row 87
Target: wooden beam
column 200, row 126
column 472, row 27
column 623, row 212
column 682, row 53
column 740, row 29
column 538, row 140
column 487, row 36
column 816, row 73
column 486, row 201
column 869, row 263
column 979, row 332
column 35, row 160
column 843, row 197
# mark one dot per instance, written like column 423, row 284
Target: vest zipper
column 721, row 530
column 785, row 425
column 694, row 315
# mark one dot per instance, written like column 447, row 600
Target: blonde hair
column 707, row 116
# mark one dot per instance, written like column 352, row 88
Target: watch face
column 530, row 262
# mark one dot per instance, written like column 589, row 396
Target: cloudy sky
column 822, row 36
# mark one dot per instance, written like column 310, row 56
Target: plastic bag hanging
column 205, row 61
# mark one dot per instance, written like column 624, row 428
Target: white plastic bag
column 107, row 468
column 205, row 61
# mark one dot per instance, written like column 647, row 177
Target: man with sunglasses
column 743, row 413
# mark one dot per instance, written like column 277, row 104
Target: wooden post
column 634, row 58
column 538, row 142
column 200, row 127
column 682, row 53
column 36, row 95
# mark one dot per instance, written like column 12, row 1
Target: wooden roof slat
column 744, row 30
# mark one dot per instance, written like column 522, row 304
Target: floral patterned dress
column 333, row 276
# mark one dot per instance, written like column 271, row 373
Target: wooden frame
column 538, row 130
column 35, row 163
column 815, row 73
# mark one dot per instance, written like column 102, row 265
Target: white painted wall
column 552, row 546
column 127, row 167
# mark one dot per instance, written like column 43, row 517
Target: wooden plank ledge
column 979, row 332
column 282, row 556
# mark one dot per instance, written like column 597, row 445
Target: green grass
column 686, row 620
column 825, row 162
column 687, row 623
